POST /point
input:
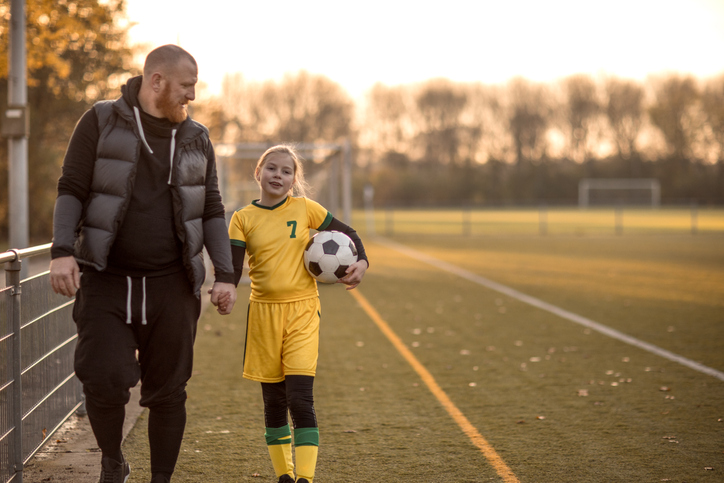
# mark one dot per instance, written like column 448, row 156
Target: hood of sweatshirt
column 155, row 126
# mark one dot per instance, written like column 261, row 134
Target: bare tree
column 487, row 112
column 712, row 104
column 713, row 107
column 310, row 108
column 440, row 104
column 581, row 110
column 625, row 114
column 386, row 126
column 528, row 119
column 302, row 107
column 477, row 120
column 673, row 113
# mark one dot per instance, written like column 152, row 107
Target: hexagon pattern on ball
column 328, row 255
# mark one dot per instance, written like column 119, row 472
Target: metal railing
column 38, row 387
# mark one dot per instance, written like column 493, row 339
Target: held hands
column 355, row 272
column 65, row 280
column 65, row 276
column 223, row 296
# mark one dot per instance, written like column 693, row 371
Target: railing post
column 467, row 221
column 12, row 279
column 369, row 196
column 542, row 219
column 389, row 223
column 619, row 220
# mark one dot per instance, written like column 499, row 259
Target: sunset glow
column 359, row 43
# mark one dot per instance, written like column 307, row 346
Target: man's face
column 178, row 88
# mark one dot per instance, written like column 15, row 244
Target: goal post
column 619, row 186
column 327, row 166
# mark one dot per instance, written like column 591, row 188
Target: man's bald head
column 166, row 58
column 169, row 79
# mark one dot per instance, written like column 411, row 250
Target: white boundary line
column 605, row 330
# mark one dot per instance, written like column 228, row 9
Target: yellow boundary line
column 475, row 437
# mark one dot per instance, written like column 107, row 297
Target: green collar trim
column 269, row 207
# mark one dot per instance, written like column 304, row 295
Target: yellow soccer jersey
column 275, row 238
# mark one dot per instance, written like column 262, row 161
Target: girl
column 282, row 335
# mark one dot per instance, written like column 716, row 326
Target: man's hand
column 65, row 276
column 355, row 272
column 223, row 296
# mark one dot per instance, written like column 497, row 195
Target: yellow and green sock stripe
column 306, row 446
column 279, row 443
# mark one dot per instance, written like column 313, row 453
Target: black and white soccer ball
column 328, row 255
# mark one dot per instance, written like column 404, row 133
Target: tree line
column 440, row 142
column 432, row 143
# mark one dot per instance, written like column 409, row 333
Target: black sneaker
column 160, row 479
column 285, row 479
column 302, row 480
column 114, row 472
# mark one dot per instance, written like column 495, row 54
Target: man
column 138, row 199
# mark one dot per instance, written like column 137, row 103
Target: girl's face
column 276, row 177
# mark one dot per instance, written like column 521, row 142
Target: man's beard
column 171, row 110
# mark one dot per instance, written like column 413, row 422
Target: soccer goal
column 327, row 167
column 619, row 191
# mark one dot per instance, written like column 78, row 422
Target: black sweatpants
column 117, row 316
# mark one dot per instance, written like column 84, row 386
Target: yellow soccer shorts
column 281, row 339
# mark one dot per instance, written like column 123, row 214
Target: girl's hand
column 355, row 272
column 223, row 296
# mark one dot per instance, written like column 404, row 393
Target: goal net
column 615, row 191
column 327, row 169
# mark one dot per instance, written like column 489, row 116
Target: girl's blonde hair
column 300, row 187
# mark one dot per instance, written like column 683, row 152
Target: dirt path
column 72, row 456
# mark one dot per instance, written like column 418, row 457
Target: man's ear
column 156, row 82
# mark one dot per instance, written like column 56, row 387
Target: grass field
column 552, row 401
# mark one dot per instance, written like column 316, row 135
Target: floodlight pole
column 15, row 127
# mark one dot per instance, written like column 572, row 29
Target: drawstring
column 128, row 301
column 144, row 321
column 140, row 128
column 173, row 149
column 143, row 307
column 143, row 138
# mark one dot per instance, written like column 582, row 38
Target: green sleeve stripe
column 238, row 243
column 306, row 437
column 326, row 222
column 278, row 435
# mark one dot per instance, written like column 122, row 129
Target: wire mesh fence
column 38, row 387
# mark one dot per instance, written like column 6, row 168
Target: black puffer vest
column 119, row 149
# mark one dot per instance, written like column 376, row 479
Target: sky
column 359, row 43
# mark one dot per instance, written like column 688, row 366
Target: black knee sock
column 275, row 404
column 166, row 426
column 107, row 424
column 300, row 400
